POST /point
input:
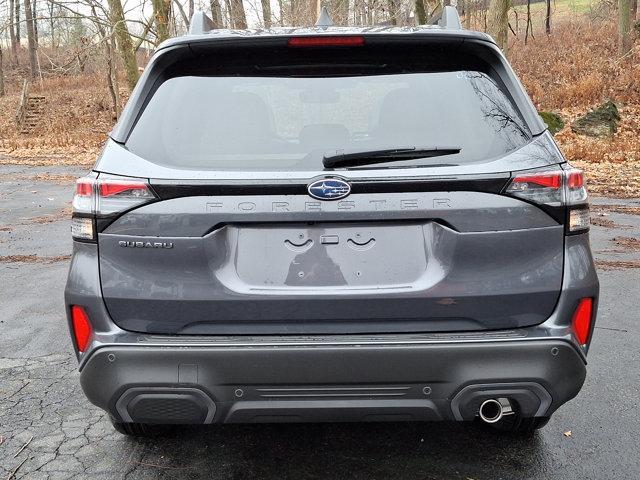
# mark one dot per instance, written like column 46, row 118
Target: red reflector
column 323, row 41
column 81, row 327
column 108, row 188
column 582, row 320
column 549, row 180
column 575, row 180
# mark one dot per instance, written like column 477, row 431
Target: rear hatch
column 244, row 229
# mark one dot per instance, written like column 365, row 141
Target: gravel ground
column 49, row 430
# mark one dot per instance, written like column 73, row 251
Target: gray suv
column 331, row 224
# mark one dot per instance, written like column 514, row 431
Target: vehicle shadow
column 374, row 450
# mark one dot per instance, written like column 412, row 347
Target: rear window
column 289, row 123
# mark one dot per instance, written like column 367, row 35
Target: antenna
column 200, row 23
column 324, row 20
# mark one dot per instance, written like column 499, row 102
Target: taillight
column 83, row 200
column 555, row 188
column 539, row 187
column 581, row 322
column 82, row 330
column 327, row 41
column 118, row 195
column 104, row 196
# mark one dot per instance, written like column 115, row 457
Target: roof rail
column 447, row 18
column 200, row 23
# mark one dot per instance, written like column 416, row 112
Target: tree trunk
column 112, row 75
column 280, row 11
column 51, row 24
column 31, row 38
column 190, row 10
column 341, row 12
column 34, row 13
column 238, row 17
column 421, row 12
column 12, row 33
column 634, row 24
column 216, row 14
column 227, row 10
column 112, row 79
column 17, row 22
column 314, row 11
column 547, row 18
column 498, row 22
column 297, row 12
column 529, row 26
column 161, row 14
column 467, row 14
column 123, row 39
column 1, row 75
column 624, row 26
column 266, row 13
column 392, row 12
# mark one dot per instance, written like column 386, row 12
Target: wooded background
column 68, row 66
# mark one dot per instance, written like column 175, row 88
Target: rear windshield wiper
column 345, row 158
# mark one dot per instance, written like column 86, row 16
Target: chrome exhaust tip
column 493, row 409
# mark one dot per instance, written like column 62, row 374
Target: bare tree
column 498, row 22
column 266, row 13
column 1, row 74
column 547, row 18
column 112, row 74
column 51, row 24
column 186, row 19
column 529, row 26
column 124, row 43
column 31, row 39
column 624, row 26
column 161, row 15
column 227, row 10
column 216, row 14
column 12, row 32
column 17, row 20
column 392, row 12
column 238, row 17
column 340, row 13
column 34, row 13
column 421, row 12
column 314, row 11
column 635, row 25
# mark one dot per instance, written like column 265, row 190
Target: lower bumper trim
column 442, row 381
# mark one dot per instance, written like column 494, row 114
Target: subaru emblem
column 329, row 189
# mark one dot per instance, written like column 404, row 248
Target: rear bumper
column 394, row 380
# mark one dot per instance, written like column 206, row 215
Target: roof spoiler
column 447, row 18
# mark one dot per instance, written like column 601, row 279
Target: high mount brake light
column 105, row 196
column 555, row 188
column 82, row 330
column 322, row 41
column 581, row 322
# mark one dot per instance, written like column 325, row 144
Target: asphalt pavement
column 49, row 430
